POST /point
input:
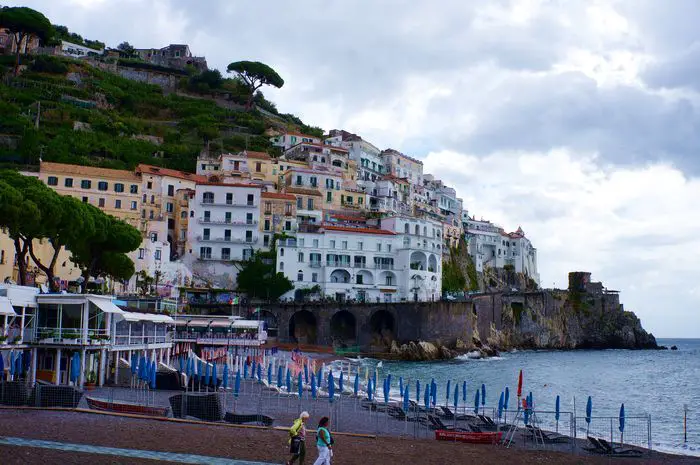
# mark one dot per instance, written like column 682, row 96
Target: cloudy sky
column 577, row 120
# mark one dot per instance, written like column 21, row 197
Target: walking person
column 297, row 439
column 324, row 442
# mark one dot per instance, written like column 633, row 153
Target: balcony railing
column 231, row 240
column 383, row 266
column 315, row 264
column 131, row 340
column 68, row 336
column 229, row 222
column 229, row 204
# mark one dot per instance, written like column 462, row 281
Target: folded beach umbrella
column 313, row 386
column 500, row 406
column 224, row 379
column 401, row 384
column 269, row 374
column 356, row 387
column 448, row 392
column 340, row 383
column 134, row 364
column 406, row 394
column 483, row 394
column 200, row 368
column 2, row 368
column 306, row 373
column 245, row 370
column 520, row 384
column 464, row 392
column 386, row 390
column 506, row 397
column 433, row 392
column 237, row 383
column 181, row 363
column 11, row 365
column 154, row 372
column 252, row 369
column 456, row 396
column 369, row 390
column 75, row 367
column 622, row 422
column 259, row 372
column 206, row 374
column 331, row 387
column 589, row 409
column 214, row 375
column 426, row 397
column 300, row 385
column 319, row 376
column 556, row 409
column 476, row 402
column 142, row 368
column 418, row 391
column 279, row 377
column 289, row 380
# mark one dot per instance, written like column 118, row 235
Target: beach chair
column 447, row 413
column 596, row 446
column 547, row 436
column 610, row 450
column 437, row 423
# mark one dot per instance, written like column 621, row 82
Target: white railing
column 69, row 336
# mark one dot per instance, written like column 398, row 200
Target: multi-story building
column 402, row 166
column 223, row 229
column 7, row 257
column 309, row 204
column 328, row 183
column 279, row 215
column 290, row 139
column 174, row 56
column 393, row 195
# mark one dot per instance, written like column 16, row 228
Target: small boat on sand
column 126, row 407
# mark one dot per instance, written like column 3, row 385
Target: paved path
column 131, row 453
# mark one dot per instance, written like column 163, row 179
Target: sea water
column 659, row 383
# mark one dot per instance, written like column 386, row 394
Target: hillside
column 92, row 117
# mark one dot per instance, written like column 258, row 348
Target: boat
column 126, row 407
column 492, row 437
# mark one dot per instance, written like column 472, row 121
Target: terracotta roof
column 301, row 135
column 49, row 167
column 278, row 195
column 258, row 155
column 158, row 171
column 230, row 184
column 382, row 232
column 303, row 191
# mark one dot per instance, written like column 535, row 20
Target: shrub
column 48, row 64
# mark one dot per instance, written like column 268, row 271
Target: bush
column 48, row 64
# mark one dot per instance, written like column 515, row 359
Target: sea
column 659, row 383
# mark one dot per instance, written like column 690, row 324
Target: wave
column 477, row 356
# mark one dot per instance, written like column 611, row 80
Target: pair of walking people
column 297, row 441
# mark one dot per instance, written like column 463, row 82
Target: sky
column 577, row 120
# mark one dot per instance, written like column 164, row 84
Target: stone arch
column 364, row 277
column 418, row 261
column 432, row 264
column 302, row 327
column 270, row 320
column 382, row 325
column 343, row 328
column 387, row 278
column 340, row 276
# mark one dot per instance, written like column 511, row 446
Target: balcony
column 228, row 240
column 338, row 264
column 383, row 266
column 68, row 336
column 314, row 264
column 228, row 204
column 224, row 222
column 134, row 340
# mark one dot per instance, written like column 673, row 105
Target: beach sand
column 254, row 443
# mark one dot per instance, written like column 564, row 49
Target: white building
column 366, row 264
column 223, row 229
column 290, row 139
column 72, row 50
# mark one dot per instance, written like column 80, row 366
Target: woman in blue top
column 324, row 442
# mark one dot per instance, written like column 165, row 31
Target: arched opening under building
column 432, row 264
column 418, row 261
column 302, row 327
column 340, row 276
column 382, row 326
column 343, row 329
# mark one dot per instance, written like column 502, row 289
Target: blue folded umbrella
column 356, row 386
column 448, row 391
column 11, row 365
column 483, row 394
column 426, row 397
column 279, row 376
column 306, row 373
column 300, row 385
column 224, row 381
column 237, row 383
column 206, row 374
column 154, row 371
column 214, row 380
column 476, row 402
column 134, row 364
column 401, row 384
column 456, row 396
column 386, row 390
column 313, row 385
column 369, row 389
column 406, row 394
column 331, row 387
column 418, row 391
column 464, row 392
column 259, row 373
column 269, row 374
column 245, row 371
column 556, row 409
column 289, row 380
column 589, row 410
column 506, row 397
column 340, row 383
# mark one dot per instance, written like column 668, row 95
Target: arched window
column 281, row 252
column 300, row 276
column 405, row 228
column 425, row 231
column 417, row 230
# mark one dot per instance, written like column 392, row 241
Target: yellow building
column 7, row 256
column 278, row 215
column 115, row 192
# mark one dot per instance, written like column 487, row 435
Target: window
column 344, row 245
column 169, row 207
column 249, row 236
column 281, row 266
column 227, row 235
column 314, row 181
column 301, row 242
column 117, row 204
column 229, row 198
column 359, row 245
column 332, row 244
column 191, row 213
column 298, row 181
column 288, row 208
column 248, row 218
column 227, row 217
column 204, row 253
column 359, row 279
column 389, row 280
column 314, row 277
column 154, row 237
column 207, row 216
column 171, row 223
column 171, row 190
column 102, row 185
column 329, row 196
column 134, row 189
column 145, row 198
column 379, row 246
column 300, row 203
column 143, row 213
column 405, row 228
column 149, row 185
column 183, row 214
column 417, row 230
column 206, row 234
column 68, row 182
column 142, row 253
column 281, row 252
column 287, row 225
column 204, row 167
column 268, row 208
column 134, row 205
column 310, row 203
column 101, row 203
column 85, row 184
column 300, row 257
column 251, row 199
column 315, row 242
column 388, row 248
column 158, row 254
column 118, row 187
column 258, row 167
column 153, row 199
column 52, row 181
column 266, row 240
column 226, row 253
column 247, row 254
column 425, row 231
column 208, row 197
column 150, row 215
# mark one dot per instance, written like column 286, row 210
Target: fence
column 258, row 403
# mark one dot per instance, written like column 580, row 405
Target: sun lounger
column 596, row 447
column 547, row 436
column 240, row 419
column 437, row 423
column 619, row 450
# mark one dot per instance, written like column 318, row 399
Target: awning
column 220, row 323
column 106, row 305
column 246, row 324
column 198, row 322
column 6, row 307
column 130, row 316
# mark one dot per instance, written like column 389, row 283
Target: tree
column 258, row 278
column 24, row 24
column 104, row 252
column 206, row 81
column 19, row 215
column 144, row 282
column 255, row 75
column 127, row 48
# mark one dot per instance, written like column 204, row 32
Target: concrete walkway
column 132, row 453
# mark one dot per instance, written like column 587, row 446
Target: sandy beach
column 253, row 443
